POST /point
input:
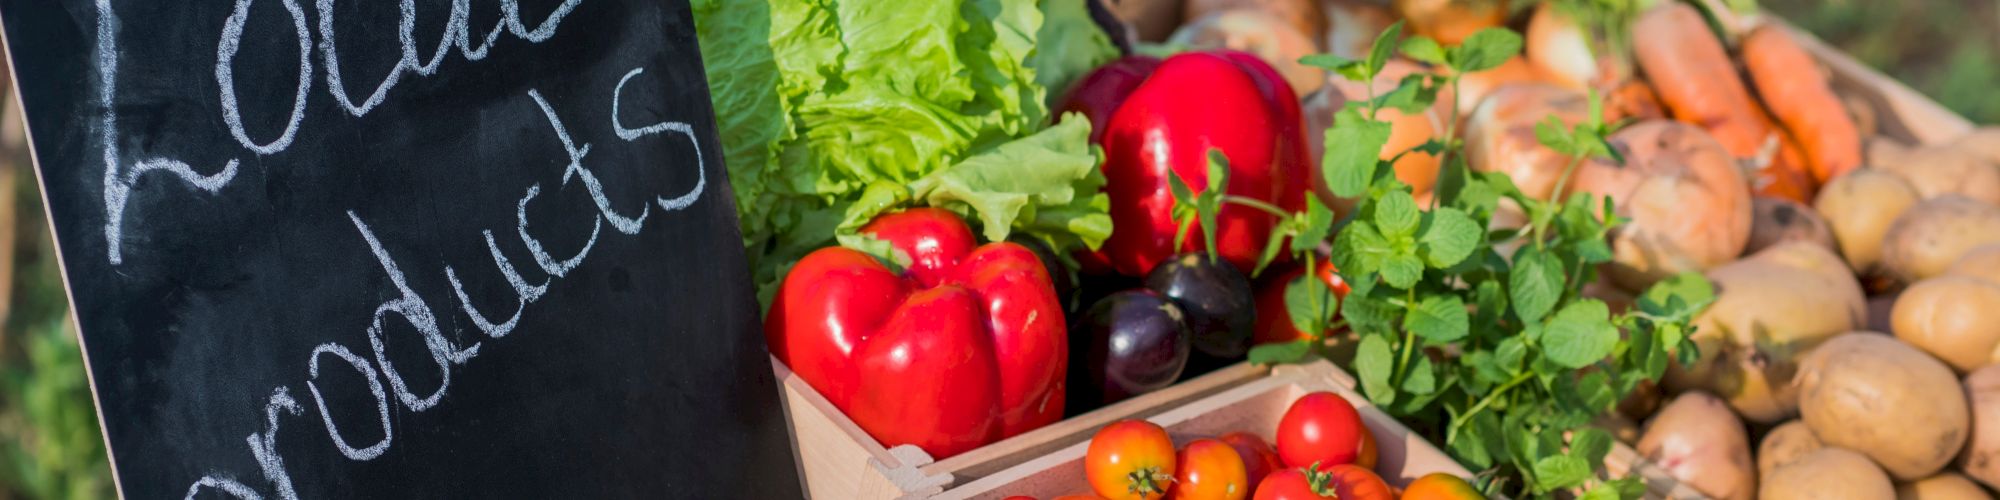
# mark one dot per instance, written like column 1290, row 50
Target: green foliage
column 50, row 446
column 1535, row 359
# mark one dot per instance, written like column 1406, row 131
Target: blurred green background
column 50, row 446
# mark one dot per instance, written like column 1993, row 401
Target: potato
column 1351, row 26
column 1500, row 134
column 1785, row 444
column 1697, row 440
column 1981, row 458
column 1474, row 88
column 1770, row 310
column 1944, row 486
column 1450, row 21
column 1302, row 16
column 1941, row 170
column 1872, row 394
column 1561, row 48
column 1260, row 33
column 1828, row 474
column 1151, row 20
column 1776, row 220
column 1859, row 208
column 1934, row 233
column 1687, row 200
column 1983, row 142
column 1982, row 263
column 1955, row 318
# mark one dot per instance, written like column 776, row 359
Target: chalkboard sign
column 415, row 249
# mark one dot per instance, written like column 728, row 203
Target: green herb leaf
column 1556, row 472
column 1423, row 48
column 1422, row 379
column 1347, row 68
column 1413, row 94
column 1591, row 444
column 1535, row 283
column 1552, row 133
column 1438, row 318
column 1315, row 226
column 1396, row 214
column 1373, row 364
column 1299, row 300
column 1678, row 297
column 1486, row 49
column 1281, row 353
column 1402, row 270
column 1354, row 145
column 1580, row 334
column 1385, row 47
column 1449, row 237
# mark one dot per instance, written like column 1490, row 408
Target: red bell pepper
column 963, row 348
column 1192, row 103
column 1097, row 96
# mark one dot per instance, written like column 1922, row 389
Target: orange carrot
column 1799, row 95
column 1693, row 76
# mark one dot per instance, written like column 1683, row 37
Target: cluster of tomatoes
column 1323, row 451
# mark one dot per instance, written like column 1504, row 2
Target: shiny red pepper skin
column 1193, row 102
column 1098, row 96
column 964, row 348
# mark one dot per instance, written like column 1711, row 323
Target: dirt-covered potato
column 1697, row 440
column 1934, row 233
column 1686, row 198
column 1982, row 262
column 1260, row 33
column 1944, row 486
column 1981, row 458
column 1785, row 444
column 1859, row 208
column 1941, row 170
column 1770, row 310
column 1450, row 21
column 1500, row 134
column 1151, row 20
column 1776, row 220
column 1828, row 474
column 1302, row 16
column 1955, row 318
column 1351, row 26
column 1870, row 393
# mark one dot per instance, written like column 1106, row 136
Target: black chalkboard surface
column 416, row 249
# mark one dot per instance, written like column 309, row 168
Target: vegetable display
column 1656, row 222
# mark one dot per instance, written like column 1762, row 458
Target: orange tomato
column 1353, row 482
column 1209, row 469
column 1130, row 460
column 1368, row 456
column 1440, row 486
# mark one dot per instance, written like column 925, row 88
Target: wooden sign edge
column 62, row 266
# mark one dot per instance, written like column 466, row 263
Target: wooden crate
column 1253, row 407
column 837, row 460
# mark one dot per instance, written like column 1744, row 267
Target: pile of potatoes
column 1851, row 349
column 1856, row 339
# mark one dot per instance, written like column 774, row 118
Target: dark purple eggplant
column 1220, row 305
column 1130, row 343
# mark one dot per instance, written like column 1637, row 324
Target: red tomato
column 1130, row 459
column 1259, row 459
column 1320, row 428
column 1341, row 482
column 1079, row 496
column 1209, row 469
